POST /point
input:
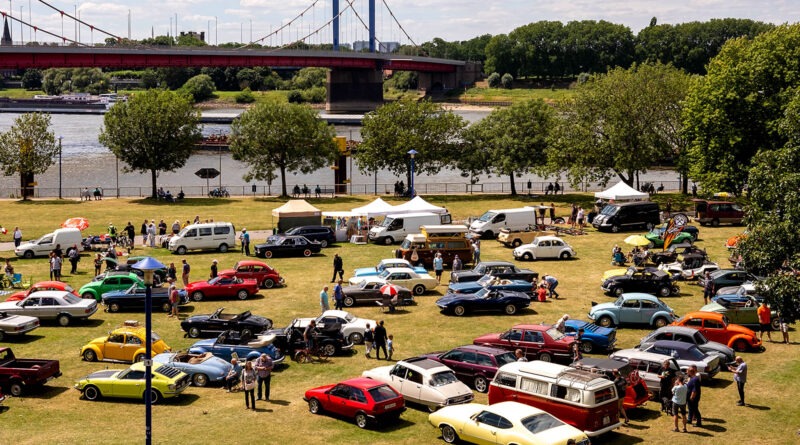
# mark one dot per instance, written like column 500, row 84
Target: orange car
column 715, row 327
column 42, row 285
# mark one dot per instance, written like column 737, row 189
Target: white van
column 42, row 246
column 204, row 236
column 490, row 223
column 394, row 228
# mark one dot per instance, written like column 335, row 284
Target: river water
column 87, row 163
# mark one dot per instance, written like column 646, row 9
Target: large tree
column 394, row 129
column 618, row 124
column 151, row 132
column 28, row 147
column 511, row 140
column 287, row 137
column 734, row 111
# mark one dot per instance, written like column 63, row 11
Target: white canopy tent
column 621, row 192
column 379, row 207
column 417, row 205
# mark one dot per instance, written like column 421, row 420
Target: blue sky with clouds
column 422, row 19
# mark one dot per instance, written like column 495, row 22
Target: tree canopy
column 287, row 137
column 28, row 147
column 151, row 132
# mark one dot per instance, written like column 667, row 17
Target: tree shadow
column 186, row 202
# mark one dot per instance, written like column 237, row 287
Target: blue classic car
column 201, row 368
column 134, row 296
column 491, row 283
column 245, row 347
column 633, row 309
column 595, row 338
column 385, row 264
column 484, row 300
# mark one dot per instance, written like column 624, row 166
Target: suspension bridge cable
column 279, row 29
column 92, row 27
column 37, row 29
column 400, row 25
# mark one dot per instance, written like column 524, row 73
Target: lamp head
column 148, row 266
column 412, row 153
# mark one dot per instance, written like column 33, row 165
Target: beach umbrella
column 76, row 223
column 390, row 290
column 637, row 240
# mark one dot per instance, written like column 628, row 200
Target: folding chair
column 16, row 281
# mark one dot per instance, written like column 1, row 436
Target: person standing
column 338, row 296
column 112, row 232
column 17, row 237
column 151, row 233
column 245, row 239
column 249, row 385
column 552, row 212
column 693, row 401
column 784, row 329
column 580, row 216
column 162, row 228
column 380, row 341
column 214, row 269
column 98, row 264
column 143, row 232
column 520, row 356
column 176, row 227
column 369, row 341
column 50, row 262
column 74, row 256
column 185, row 269
column 708, row 288
column 130, row 231
column 740, row 377
column 338, row 267
column 264, row 374
column 56, row 261
column 174, row 299
column 476, row 252
column 323, row 302
column 438, row 266
column 542, row 208
column 764, row 321
column 665, row 386
column 390, row 346
column 679, row 395
column 457, row 264
column 622, row 385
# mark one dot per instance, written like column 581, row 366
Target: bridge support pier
column 354, row 90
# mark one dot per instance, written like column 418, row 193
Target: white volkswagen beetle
column 544, row 247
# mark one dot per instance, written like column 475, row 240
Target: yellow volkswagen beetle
column 129, row 383
column 124, row 344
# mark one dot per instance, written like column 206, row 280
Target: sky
column 421, row 20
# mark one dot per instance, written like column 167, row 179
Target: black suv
column 323, row 234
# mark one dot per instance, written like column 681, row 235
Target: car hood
column 464, row 411
column 365, row 271
column 197, row 318
column 488, row 338
column 713, row 307
column 98, row 340
column 713, row 346
column 205, row 343
column 104, row 374
column 452, row 298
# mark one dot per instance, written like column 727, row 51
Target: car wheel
column 155, row 396
column 664, row 291
column 660, row 322
column 516, row 243
column 181, row 250
column 388, row 241
column 605, row 321
column 314, row 407
column 356, row 338
column 527, row 256
column 307, row 253
column 565, row 255
column 545, row 357
column 88, row 295
column 166, row 307
column 615, row 228
column 587, row 347
column 618, row 291
column 488, row 235
column 268, row 254
column 197, row 296
column 361, row 420
column 89, row 355
column 200, row 380
column 740, row 345
column 28, row 254
column 63, row 320
column 481, row 384
column 323, row 243
column 113, row 307
column 328, row 350
column 510, row 309
column 715, row 222
column 268, row 283
column 242, row 295
column 419, row 289
column 776, row 324
column 223, row 248
column 91, row 392
column 300, row 356
column 449, row 434
column 138, row 358
column 194, row 332
column 459, row 310
column 349, row 302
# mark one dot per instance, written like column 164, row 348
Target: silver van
column 219, row 236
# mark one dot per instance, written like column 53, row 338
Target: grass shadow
column 280, row 402
column 182, row 400
column 21, row 339
column 44, row 391
column 619, row 438
column 187, row 202
column 4, row 409
column 46, row 202
column 718, row 383
column 758, row 407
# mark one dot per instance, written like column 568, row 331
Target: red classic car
column 266, row 276
column 222, row 287
column 42, row 285
column 715, row 327
column 538, row 342
column 365, row 400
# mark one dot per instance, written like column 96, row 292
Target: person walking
column 74, row 256
column 765, row 321
column 438, row 266
column 214, row 269
column 380, row 341
column 264, row 375
column 323, row 302
column 248, row 379
column 369, row 341
column 130, row 231
column 17, row 237
column 784, row 329
column 693, row 401
column 338, row 296
column 185, row 269
column 338, row 267
column 708, row 288
column 390, row 346
column 245, row 239
column 679, row 395
column 622, row 385
column 740, row 377
column 143, row 232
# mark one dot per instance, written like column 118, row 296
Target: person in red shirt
column 541, row 293
column 764, row 319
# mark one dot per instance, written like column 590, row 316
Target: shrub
column 200, row 87
column 316, row 95
column 245, row 97
column 295, row 97
column 493, row 80
column 507, row 81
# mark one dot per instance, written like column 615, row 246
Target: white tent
column 379, row 207
column 621, row 192
column 417, row 205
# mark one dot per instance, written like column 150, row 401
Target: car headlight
column 172, row 387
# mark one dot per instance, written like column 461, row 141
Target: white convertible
column 408, row 278
column 352, row 327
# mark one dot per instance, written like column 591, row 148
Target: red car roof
column 363, row 383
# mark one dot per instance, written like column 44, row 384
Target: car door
column 31, row 306
column 397, row 376
column 114, row 347
column 513, row 340
column 483, row 429
column 401, row 279
column 222, row 287
column 338, row 398
column 131, row 385
column 648, row 309
column 713, row 330
column 630, row 311
column 544, row 249
column 533, row 341
column 555, row 250
column 245, row 272
column 412, row 385
column 216, row 324
column 461, row 363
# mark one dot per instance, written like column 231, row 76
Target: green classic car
column 108, row 282
column 129, row 383
column 742, row 311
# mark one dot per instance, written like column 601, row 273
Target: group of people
column 86, row 194
column 376, row 339
column 56, row 260
column 305, row 191
column 577, row 217
column 255, row 374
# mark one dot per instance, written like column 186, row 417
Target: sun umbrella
column 637, row 240
column 76, row 223
column 389, row 289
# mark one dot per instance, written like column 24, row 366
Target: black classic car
column 290, row 339
column 369, row 291
column 245, row 323
column 498, row 269
column 674, row 253
column 650, row 281
column 728, row 277
column 485, row 299
column 287, row 246
column 134, row 298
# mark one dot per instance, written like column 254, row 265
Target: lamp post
column 59, row 166
column 411, row 153
column 148, row 266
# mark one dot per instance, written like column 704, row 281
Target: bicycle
column 306, row 355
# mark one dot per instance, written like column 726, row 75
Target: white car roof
column 392, row 270
column 424, row 366
column 335, row 313
column 395, row 261
column 550, row 237
column 50, row 293
column 635, row 353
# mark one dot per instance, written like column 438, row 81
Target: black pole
column 148, row 363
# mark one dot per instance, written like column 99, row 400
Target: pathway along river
column 87, row 163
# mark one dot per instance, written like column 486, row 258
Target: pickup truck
column 18, row 374
column 517, row 238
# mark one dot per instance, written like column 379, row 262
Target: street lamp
column 411, row 153
column 59, row 166
column 148, row 266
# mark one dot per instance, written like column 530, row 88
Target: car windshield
column 154, row 337
column 387, row 222
column 485, row 280
column 619, row 301
column 214, row 280
column 487, row 216
column 71, row 299
column 275, row 240
column 293, row 231
column 694, row 353
column 483, row 293
column 541, row 422
column 505, row 358
column 68, row 288
column 555, row 334
column 384, row 274
column 609, row 210
column 699, row 338
column 382, row 393
column 350, row 318
column 443, row 378
column 406, row 244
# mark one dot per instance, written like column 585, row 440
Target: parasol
column 76, row 223
column 637, row 240
column 390, row 290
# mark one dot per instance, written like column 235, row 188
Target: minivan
column 628, row 216
column 490, row 223
column 450, row 240
column 717, row 212
column 204, row 236
column 323, row 234
column 41, row 247
column 582, row 399
column 394, row 228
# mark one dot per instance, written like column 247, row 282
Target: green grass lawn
column 515, row 95
column 205, row 415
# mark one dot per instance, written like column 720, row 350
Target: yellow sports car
column 129, row 383
column 504, row 422
column 124, row 344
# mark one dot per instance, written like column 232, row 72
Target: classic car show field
column 55, row 413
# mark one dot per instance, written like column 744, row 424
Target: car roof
column 250, row 263
column 51, row 293
column 705, row 315
column 678, row 329
column 549, row 237
column 486, row 349
column 398, row 269
column 642, row 355
column 602, row 363
column 363, row 383
column 335, row 313
column 424, row 363
column 395, row 260
column 555, row 371
column 532, row 327
column 495, row 263
column 672, row 344
column 639, row 296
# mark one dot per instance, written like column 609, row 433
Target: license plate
column 390, row 406
column 606, row 420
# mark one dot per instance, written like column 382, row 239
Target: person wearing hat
column 245, row 238
column 214, row 269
